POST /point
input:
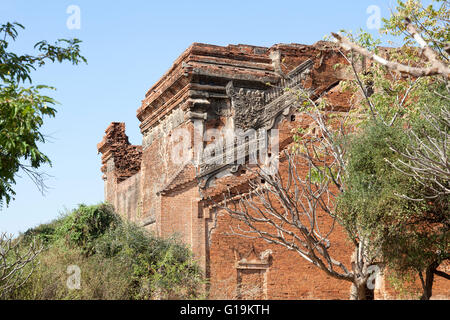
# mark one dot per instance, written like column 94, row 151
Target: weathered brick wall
column 128, row 198
column 121, row 170
column 288, row 276
column 181, row 215
column 412, row 289
column 159, row 174
column 167, row 197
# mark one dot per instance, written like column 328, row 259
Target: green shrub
column 370, row 202
column 85, row 224
column 43, row 232
column 117, row 259
column 162, row 268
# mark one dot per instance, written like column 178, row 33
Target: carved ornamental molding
column 254, row 110
column 253, row 261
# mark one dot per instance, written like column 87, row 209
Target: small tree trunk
column 359, row 291
column 427, row 285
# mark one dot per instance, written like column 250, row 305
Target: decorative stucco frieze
column 170, row 122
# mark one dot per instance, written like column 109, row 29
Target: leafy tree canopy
column 24, row 108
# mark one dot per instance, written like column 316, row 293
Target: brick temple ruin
column 238, row 86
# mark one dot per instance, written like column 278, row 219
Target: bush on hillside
column 117, row 259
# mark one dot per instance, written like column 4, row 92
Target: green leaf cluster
column 23, row 109
column 118, row 260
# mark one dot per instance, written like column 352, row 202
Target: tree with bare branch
column 411, row 87
column 426, row 161
column 17, row 262
column 286, row 208
column 427, row 157
column 432, row 39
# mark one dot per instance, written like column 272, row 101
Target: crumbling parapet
column 119, row 157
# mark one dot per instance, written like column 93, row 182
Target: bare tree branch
column 437, row 66
column 14, row 259
column 427, row 159
column 295, row 208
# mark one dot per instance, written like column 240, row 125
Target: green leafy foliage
column 407, row 231
column 400, row 131
column 118, row 260
column 23, row 109
column 424, row 238
column 432, row 19
column 157, row 266
column 86, row 224
column 370, row 204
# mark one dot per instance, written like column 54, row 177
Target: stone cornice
column 201, row 63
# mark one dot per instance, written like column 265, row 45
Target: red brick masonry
column 167, row 197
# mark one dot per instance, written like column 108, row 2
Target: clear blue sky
column 129, row 45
